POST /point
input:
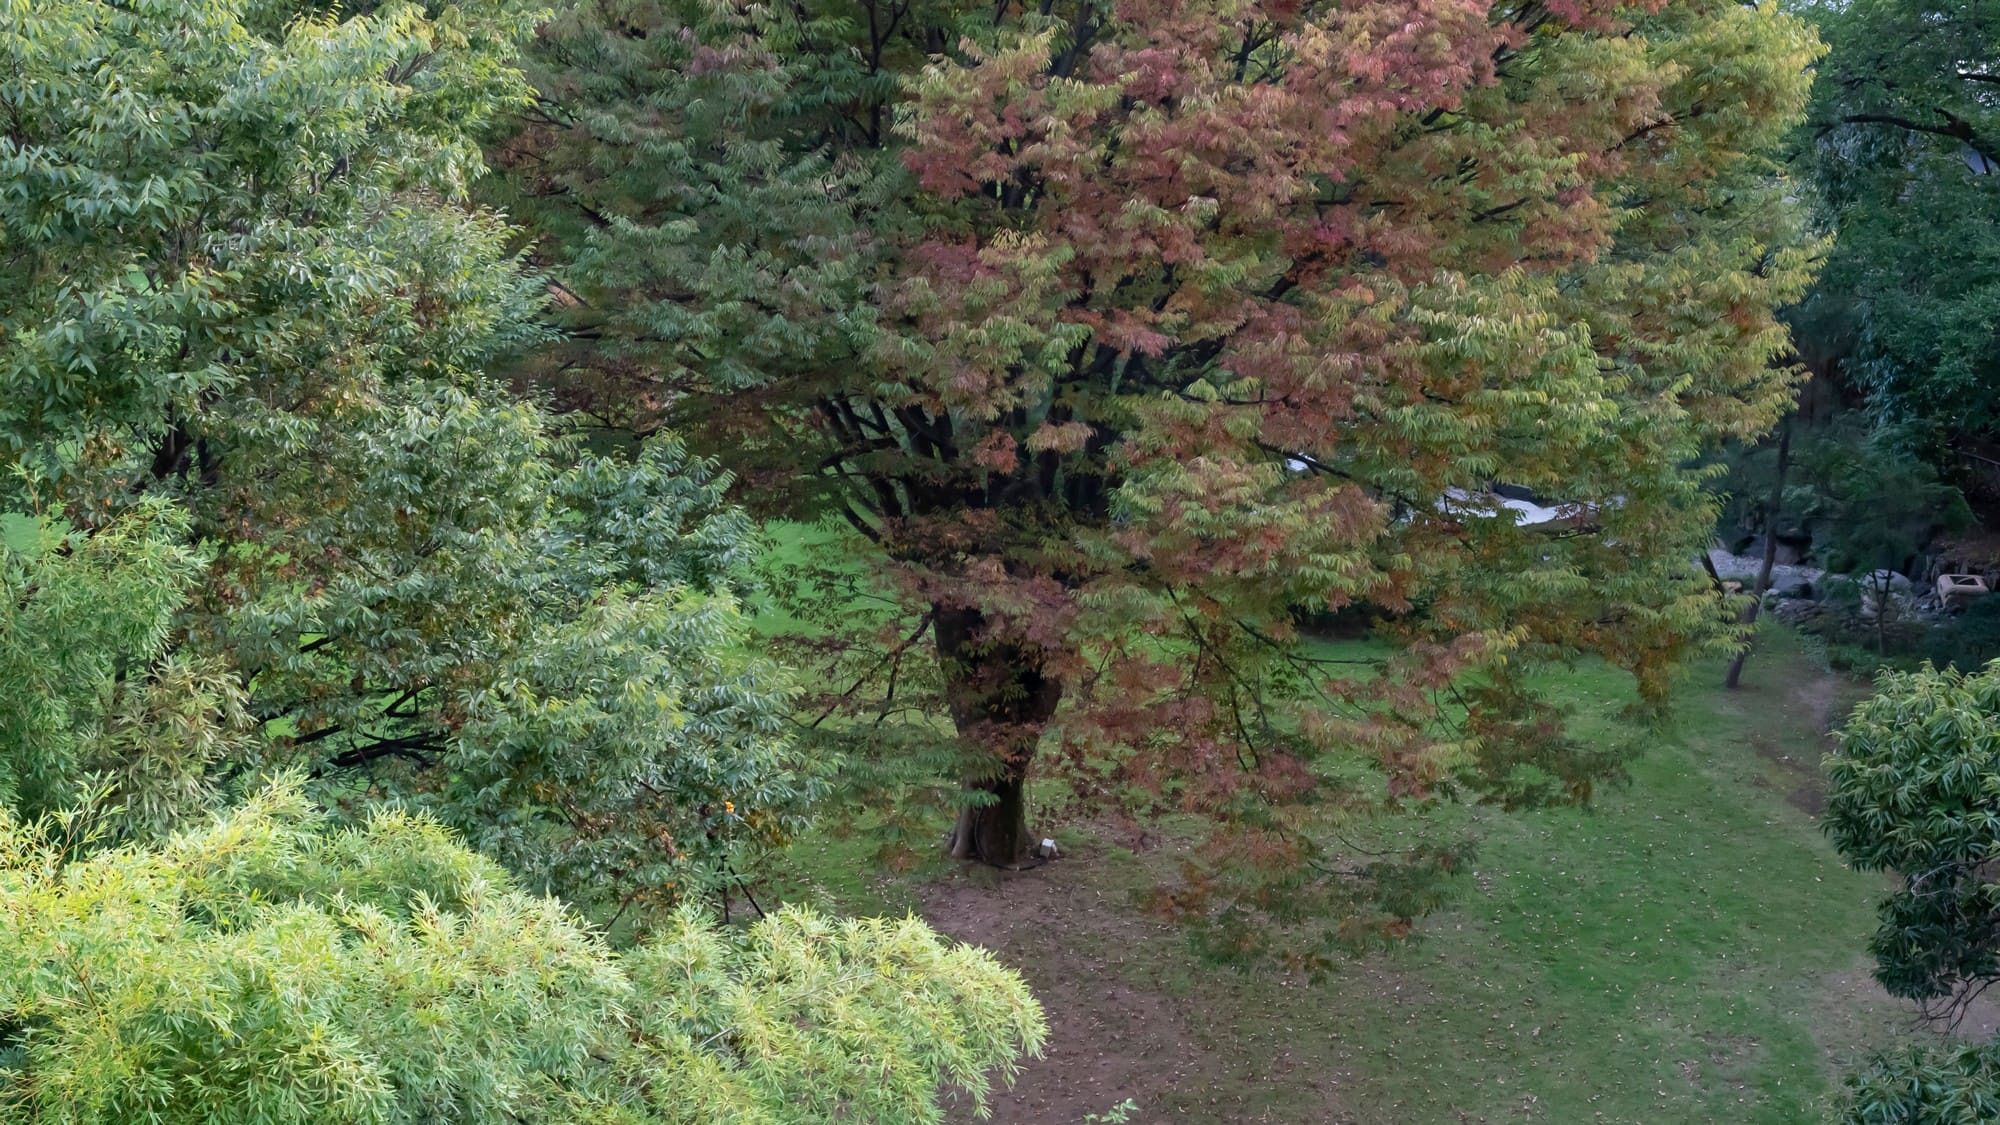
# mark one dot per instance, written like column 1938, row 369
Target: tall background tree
column 1901, row 151
column 1120, row 334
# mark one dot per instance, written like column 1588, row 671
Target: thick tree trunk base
column 1000, row 701
column 994, row 834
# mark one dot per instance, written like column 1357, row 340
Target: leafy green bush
column 263, row 968
column 1968, row 641
column 90, row 695
column 1954, row 1086
column 1916, row 792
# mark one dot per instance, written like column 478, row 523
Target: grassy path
column 1688, row 950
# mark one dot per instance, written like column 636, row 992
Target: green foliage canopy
column 242, row 276
column 1916, row 792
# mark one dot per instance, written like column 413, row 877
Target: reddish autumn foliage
column 1130, row 335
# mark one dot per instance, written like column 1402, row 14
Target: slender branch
column 419, row 749
column 1954, row 127
column 893, row 654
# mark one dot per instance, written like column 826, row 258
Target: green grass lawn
column 1683, row 951
column 1689, row 949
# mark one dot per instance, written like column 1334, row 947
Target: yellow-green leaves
column 88, row 697
column 266, row 968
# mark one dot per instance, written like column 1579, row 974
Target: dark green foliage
column 1969, row 640
column 1859, row 492
column 243, row 278
column 1902, row 151
column 1868, row 501
column 1868, row 506
column 1935, row 1086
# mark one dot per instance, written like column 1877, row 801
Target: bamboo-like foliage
column 88, row 699
column 267, row 967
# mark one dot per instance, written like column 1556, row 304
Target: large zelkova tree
column 1915, row 793
column 1901, row 151
column 1124, row 333
column 240, row 275
column 266, row 967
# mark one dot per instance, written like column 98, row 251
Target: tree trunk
column 1772, row 509
column 1883, row 588
column 1000, row 701
column 997, row 833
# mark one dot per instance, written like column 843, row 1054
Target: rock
column 1793, row 611
column 1896, row 581
column 1752, row 548
column 1744, row 569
